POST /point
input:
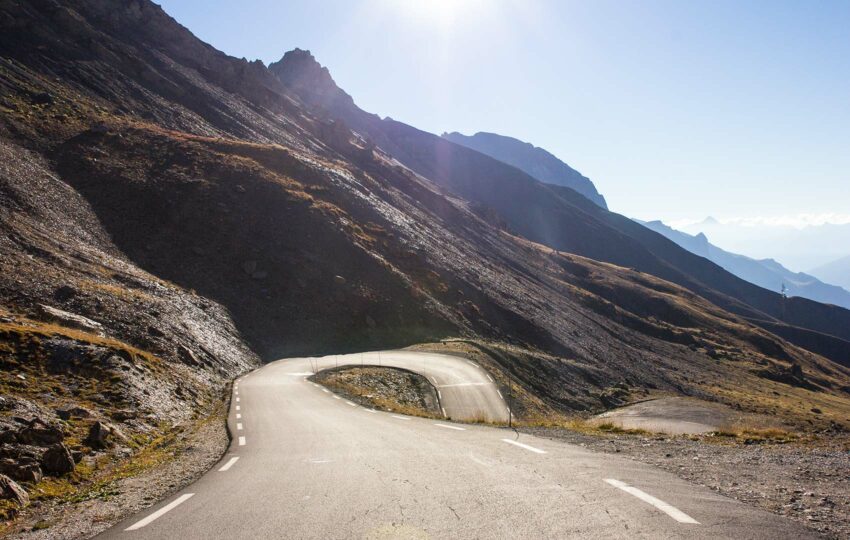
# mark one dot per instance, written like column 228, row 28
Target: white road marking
column 439, row 395
column 239, row 426
column 444, row 411
column 500, row 394
column 238, row 408
column 304, row 374
column 229, row 464
column 237, row 400
column 508, row 409
column 237, row 392
column 490, row 377
column 464, row 384
column 159, row 513
column 400, row 417
column 336, row 396
column 241, row 441
column 238, row 416
column 671, row 511
column 350, row 403
column 321, row 461
column 370, row 410
column 471, row 363
column 325, row 390
column 527, row 447
column 434, row 381
column 450, row 427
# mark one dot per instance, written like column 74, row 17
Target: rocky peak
column 312, row 82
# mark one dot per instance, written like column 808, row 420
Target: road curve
column 466, row 390
column 306, row 464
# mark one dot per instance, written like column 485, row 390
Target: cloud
column 797, row 221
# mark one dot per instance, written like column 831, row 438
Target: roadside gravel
column 809, row 484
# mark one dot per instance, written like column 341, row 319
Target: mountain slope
column 835, row 272
column 553, row 215
column 766, row 273
column 194, row 206
column 526, row 157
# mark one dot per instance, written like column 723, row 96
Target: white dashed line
column 350, row 403
column 238, row 408
column 439, row 395
column 238, row 416
column 671, row 511
column 490, row 377
column 237, row 393
column 229, row 464
column 471, row 363
column 370, row 410
column 237, row 400
column 500, row 394
column 336, row 396
column 400, row 417
column 444, row 411
column 241, row 441
column 239, row 426
column 527, row 447
column 159, row 513
column 450, row 427
column 325, row 390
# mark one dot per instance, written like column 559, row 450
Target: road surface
column 466, row 391
column 306, row 464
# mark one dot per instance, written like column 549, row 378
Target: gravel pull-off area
column 808, row 484
column 193, row 451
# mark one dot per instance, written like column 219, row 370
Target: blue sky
column 675, row 109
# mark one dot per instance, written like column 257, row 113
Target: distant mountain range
column 765, row 273
column 796, row 247
column 534, row 161
column 837, row 272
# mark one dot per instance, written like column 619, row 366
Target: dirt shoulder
column 178, row 459
column 807, row 482
column 383, row 388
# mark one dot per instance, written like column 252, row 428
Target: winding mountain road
column 305, row 463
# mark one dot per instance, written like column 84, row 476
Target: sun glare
column 441, row 12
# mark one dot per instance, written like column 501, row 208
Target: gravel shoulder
column 807, row 482
column 185, row 456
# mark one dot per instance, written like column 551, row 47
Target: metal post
column 510, row 401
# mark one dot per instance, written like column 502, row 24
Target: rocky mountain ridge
column 535, row 161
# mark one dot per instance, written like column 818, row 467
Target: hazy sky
column 676, row 110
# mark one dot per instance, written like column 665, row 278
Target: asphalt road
column 304, row 464
column 466, row 391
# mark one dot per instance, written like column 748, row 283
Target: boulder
column 99, row 436
column 39, row 433
column 21, row 471
column 10, row 490
column 66, row 413
column 57, row 460
column 71, row 320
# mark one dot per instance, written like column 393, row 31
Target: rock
column 40, row 433
column 99, row 128
column 64, row 293
column 99, row 435
column 21, row 471
column 240, row 188
column 43, row 98
column 76, row 455
column 66, row 413
column 71, row 320
column 10, row 490
column 188, row 356
column 123, row 415
column 371, row 322
column 57, row 460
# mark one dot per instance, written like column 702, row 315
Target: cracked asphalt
column 312, row 466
